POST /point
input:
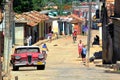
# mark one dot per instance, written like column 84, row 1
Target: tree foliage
column 20, row 6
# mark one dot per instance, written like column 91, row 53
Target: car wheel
column 41, row 67
column 15, row 68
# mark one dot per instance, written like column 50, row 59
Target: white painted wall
column 19, row 35
column 55, row 26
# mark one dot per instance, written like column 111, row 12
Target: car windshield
column 26, row 50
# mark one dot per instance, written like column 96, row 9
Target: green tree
column 22, row 5
column 39, row 4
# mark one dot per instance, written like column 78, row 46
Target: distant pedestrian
column 30, row 40
column 96, row 40
column 83, row 54
column 74, row 35
column 80, row 46
column 50, row 36
column 84, row 30
column 44, row 49
column 27, row 40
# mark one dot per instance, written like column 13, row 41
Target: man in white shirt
column 30, row 40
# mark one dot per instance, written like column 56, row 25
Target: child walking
column 80, row 46
column 84, row 52
column 74, row 36
column 44, row 50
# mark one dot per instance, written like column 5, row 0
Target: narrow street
column 63, row 64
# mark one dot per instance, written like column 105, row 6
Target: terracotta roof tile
column 32, row 18
column 20, row 18
column 38, row 14
column 28, row 17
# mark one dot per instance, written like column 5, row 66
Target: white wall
column 55, row 26
column 19, row 35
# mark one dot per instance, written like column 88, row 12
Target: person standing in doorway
column 80, row 46
column 30, row 40
column 27, row 40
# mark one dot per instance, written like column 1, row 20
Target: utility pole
column 89, row 33
column 7, row 40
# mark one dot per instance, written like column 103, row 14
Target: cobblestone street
column 63, row 64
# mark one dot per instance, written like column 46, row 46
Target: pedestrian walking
column 44, row 50
column 74, row 35
column 50, row 36
column 30, row 40
column 80, row 46
column 84, row 30
column 83, row 54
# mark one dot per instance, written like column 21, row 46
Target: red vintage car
column 26, row 56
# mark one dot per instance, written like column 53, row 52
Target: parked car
column 26, row 56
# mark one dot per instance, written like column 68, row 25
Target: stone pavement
column 63, row 64
column 93, row 49
column 93, row 72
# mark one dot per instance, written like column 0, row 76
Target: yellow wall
column 41, row 30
